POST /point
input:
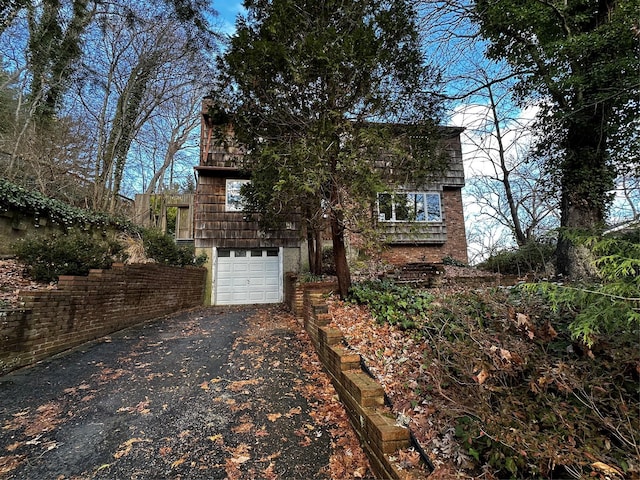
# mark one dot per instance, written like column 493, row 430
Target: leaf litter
column 252, row 447
column 492, row 390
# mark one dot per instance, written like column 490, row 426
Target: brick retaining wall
column 84, row 308
column 362, row 396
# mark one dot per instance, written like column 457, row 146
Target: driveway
column 208, row 393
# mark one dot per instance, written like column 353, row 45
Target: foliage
column 72, row 253
column 391, row 303
column 576, row 60
column 163, row 249
column 531, row 257
column 306, row 114
column 76, row 251
column 610, row 307
column 31, row 203
column 449, row 260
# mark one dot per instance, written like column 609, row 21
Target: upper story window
column 409, row 207
column 234, row 201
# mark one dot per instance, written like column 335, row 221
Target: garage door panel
column 246, row 277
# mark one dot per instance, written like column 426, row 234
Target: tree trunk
column 586, row 179
column 572, row 259
column 311, row 251
column 340, row 255
column 319, row 263
column 506, row 182
column 339, row 249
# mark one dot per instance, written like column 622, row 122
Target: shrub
column 531, row 257
column 611, row 307
column 328, row 264
column 391, row 303
column 72, row 253
column 449, row 260
column 78, row 251
column 163, row 249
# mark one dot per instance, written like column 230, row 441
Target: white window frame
column 427, row 217
column 233, row 200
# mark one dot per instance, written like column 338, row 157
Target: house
column 247, row 265
column 425, row 223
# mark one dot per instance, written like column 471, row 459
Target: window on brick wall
column 409, row 207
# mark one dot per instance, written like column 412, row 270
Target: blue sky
column 228, row 9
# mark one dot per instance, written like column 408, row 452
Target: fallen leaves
column 16, row 280
column 9, row 463
column 607, row 469
column 239, row 455
column 528, row 396
column 178, row 462
column 272, row 417
column 142, row 408
column 241, row 385
column 125, row 448
column 246, row 426
column 46, row 418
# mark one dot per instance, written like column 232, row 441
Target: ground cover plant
column 494, row 383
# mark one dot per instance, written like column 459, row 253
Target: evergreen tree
column 315, row 89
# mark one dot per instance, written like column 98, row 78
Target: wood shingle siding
column 215, row 227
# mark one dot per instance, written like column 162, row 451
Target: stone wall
column 84, row 308
column 15, row 225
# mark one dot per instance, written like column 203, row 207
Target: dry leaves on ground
column 14, row 279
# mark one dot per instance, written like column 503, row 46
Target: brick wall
column 294, row 292
column 455, row 245
column 361, row 395
column 84, row 308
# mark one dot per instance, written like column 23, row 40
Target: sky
column 227, row 10
column 465, row 64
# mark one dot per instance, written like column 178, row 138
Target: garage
column 248, row 276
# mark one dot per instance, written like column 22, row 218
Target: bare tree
column 506, row 183
column 145, row 64
column 506, row 186
column 93, row 66
column 177, row 124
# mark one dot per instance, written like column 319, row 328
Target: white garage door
column 248, row 276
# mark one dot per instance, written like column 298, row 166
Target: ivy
column 392, row 303
column 32, row 203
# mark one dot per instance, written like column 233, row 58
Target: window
column 234, row 200
column 409, row 207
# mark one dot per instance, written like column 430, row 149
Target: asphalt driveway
column 208, row 393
